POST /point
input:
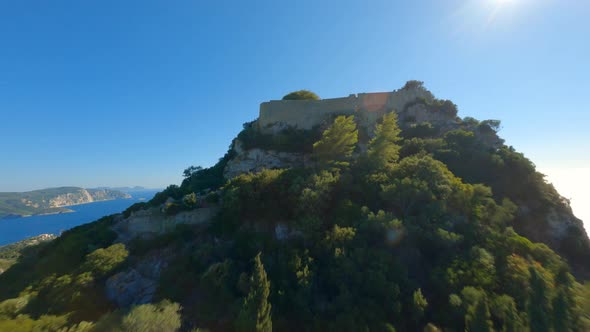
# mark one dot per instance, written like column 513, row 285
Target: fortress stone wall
column 367, row 107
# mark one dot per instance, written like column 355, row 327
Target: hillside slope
column 422, row 221
column 9, row 254
column 51, row 200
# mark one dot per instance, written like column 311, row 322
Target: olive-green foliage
column 384, row 148
column 301, row 95
column 420, row 304
column 337, row 143
column 255, row 314
column 102, row 261
column 287, row 140
column 504, row 309
column 201, row 179
column 412, row 84
column 160, row 317
column 446, row 107
column 538, row 304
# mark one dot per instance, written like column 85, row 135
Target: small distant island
column 51, row 200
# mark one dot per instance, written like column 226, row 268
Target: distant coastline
column 14, row 205
column 19, row 216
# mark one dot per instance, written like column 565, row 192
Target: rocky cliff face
column 82, row 196
column 152, row 222
column 255, row 160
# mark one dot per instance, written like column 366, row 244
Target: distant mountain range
column 52, row 200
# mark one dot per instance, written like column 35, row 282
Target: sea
column 17, row 229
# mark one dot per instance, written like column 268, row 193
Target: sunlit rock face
column 255, row 160
column 138, row 284
column 152, row 222
column 82, row 196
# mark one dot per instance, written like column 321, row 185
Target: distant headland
column 51, row 200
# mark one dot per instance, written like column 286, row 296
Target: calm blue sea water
column 13, row 230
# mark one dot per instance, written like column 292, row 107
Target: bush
column 102, row 261
column 301, row 95
column 287, row 140
column 160, row 317
column 412, row 84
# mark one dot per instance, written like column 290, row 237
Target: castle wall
column 303, row 114
column 367, row 107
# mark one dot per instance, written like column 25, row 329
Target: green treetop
column 384, row 148
column 255, row 314
column 301, row 95
column 337, row 142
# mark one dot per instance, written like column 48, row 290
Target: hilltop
column 10, row 253
column 51, row 200
column 373, row 212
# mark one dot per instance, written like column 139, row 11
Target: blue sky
column 131, row 92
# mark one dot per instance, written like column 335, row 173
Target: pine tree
column 420, row 305
column 481, row 318
column 255, row 315
column 563, row 302
column 384, row 148
column 538, row 308
column 337, row 143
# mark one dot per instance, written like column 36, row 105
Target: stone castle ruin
column 414, row 105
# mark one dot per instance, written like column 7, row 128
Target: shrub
column 301, row 95
column 412, row 84
column 160, row 317
column 102, row 261
column 287, row 140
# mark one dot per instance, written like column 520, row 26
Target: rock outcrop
column 136, row 285
column 255, row 160
column 83, row 196
column 153, row 221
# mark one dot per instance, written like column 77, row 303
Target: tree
column 301, row 95
column 564, row 302
column 160, row 317
column 538, row 307
column 504, row 308
column 337, row 142
column 413, row 84
column 384, row 148
column 477, row 313
column 255, row 314
column 480, row 321
column 187, row 173
column 420, row 305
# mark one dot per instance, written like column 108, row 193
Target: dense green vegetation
column 288, row 140
column 9, row 254
column 416, row 231
column 39, row 201
column 301, row 95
